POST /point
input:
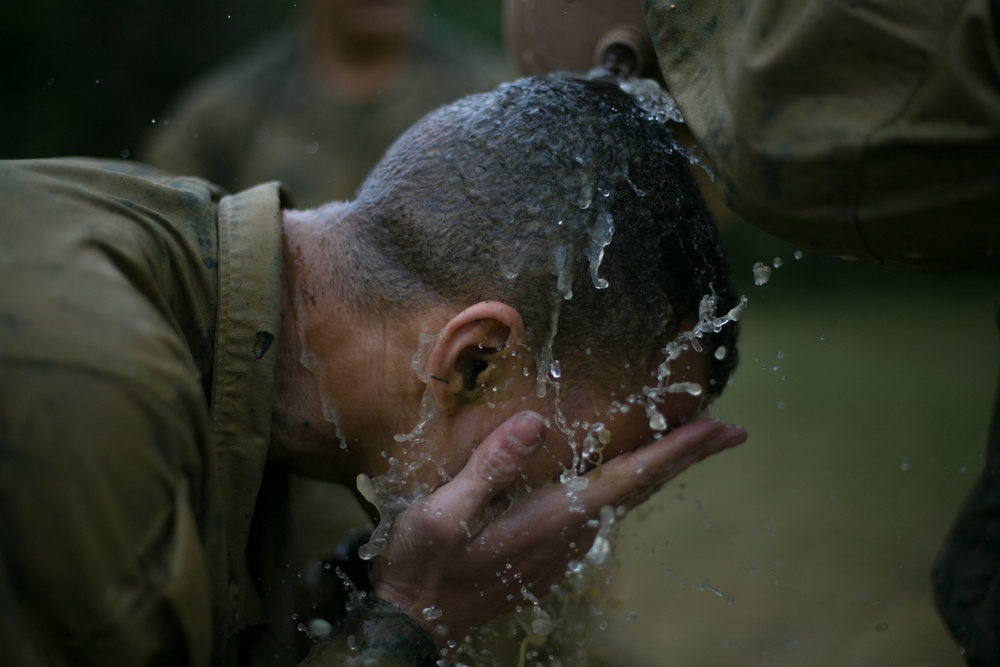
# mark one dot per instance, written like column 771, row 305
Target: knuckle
column 500, row 466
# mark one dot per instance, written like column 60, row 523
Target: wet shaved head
column 560, row 197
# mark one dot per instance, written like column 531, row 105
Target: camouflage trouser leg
column 967, row 572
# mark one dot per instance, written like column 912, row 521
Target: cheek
column 626, row 434
column 550, row 460
column 459, row 437
column 557, row 452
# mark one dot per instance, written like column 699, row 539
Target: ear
column 462, row 363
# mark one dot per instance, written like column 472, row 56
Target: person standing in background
column 317, row 104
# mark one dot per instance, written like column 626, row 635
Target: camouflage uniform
column 138, row 316
column 871, row 130
column 884, row 151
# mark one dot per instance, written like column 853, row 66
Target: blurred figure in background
column 316, row 105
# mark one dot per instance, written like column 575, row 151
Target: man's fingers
column 495, row 465
column 633, row 477
column 625, row 480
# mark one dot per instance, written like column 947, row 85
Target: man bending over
column 526, row 291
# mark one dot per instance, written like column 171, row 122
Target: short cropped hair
column 561, row 197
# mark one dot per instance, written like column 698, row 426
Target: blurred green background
column 89, row 78
column 866, row 392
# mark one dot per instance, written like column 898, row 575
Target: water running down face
column 568, row 202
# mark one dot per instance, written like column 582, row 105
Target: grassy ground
column 867, row 395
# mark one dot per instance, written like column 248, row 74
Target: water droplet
column 761, row 274
column 432, row 613
column 657, row 422
column 573, row 482
column 542, row 625
column 904, row 465
column 736, row 312
column 797, row 254
column 692, row 388
column 776, row 262
column 720, row 352
column 656, row 103
column 319, row 628
column 604, row 228
column 881, row 627
column 312, row 147
column 555, row 371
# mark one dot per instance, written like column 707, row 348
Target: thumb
column 495, row 465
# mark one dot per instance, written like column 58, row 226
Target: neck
column 343, row 386
column 302, row 436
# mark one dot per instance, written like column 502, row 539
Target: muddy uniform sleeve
column 100, row 555
column 869, row 130
column 110, row 534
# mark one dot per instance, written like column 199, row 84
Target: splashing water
column 708, row 322
column 539, row 628
column 419, row 362
column 709, row 588
column 657, row 103
column 432, row 613
column 601, row 548
column 389, row 506
column 603, row 230
column 761, row 274
column 427, row 411
column 692, row 388
column 583, row 230
column 564, row 273
column 660, row 107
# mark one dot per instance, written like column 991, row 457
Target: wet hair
column 561, row 197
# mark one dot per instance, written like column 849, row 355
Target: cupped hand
column 452, row 568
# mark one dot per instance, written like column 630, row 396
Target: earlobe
column 462, row 361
